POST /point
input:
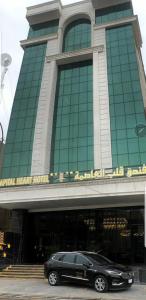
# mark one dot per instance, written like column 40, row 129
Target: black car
column 89, row 267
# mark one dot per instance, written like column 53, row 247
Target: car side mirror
column 87, row 265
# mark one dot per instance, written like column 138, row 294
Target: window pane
column 77, row 35
column 81, row 260
column 69, row 258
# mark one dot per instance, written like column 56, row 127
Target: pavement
column 38, row 289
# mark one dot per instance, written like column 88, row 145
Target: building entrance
column 117, row 233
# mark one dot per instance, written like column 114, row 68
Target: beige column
column 101, row 116
column 44, row 121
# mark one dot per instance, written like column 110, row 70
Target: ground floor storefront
column 105, row 215
column 117, row 233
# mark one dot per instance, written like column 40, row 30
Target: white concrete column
column 101, row 117
column 44, row 120
column 96, row 112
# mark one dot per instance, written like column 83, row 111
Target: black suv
column 89, row 267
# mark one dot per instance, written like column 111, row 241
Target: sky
column 14, row 27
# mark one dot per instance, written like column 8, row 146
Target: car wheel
column 101, row 284
column 53, row 278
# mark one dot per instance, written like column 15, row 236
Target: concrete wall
column 44, row 120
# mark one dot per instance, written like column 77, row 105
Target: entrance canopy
column 75, row 195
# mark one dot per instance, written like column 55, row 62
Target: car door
column 82, row 268
column 56, row 262
column 68, row 266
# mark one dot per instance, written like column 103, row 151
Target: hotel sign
column 76, row 176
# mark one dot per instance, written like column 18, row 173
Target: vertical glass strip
column 19, row 143
column 72, row 142
column 125, row 96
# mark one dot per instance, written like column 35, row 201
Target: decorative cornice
column 44, row 12
column 65, row 56
column 97, row 4
column 38, row 40
column 115, row 22
column 99, row 49
column 124, row 21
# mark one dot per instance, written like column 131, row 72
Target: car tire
column 101, row 284
column 53, row 278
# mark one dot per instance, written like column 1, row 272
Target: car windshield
column 99, row 259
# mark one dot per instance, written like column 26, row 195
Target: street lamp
column 5, row 62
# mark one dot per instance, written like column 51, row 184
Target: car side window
column 80, row 260
column 58, row 257
column 69, row 258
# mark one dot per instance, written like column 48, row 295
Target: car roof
column 88, row 252
column 76, row 252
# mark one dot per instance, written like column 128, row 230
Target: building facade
column 1, row 155
column 73, row 174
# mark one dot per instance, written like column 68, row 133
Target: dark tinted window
column 81, row 260
column 70, row 258
column 57, row 256
column 100, row 259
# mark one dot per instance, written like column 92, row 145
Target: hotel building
column 74, row 174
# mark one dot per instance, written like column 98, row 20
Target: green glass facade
column 72, row 136
column 113, row 13
column 72, row 142
column 125, row 96
column 77, row 35
column 77, row 108
column 41, row 29
column 18, row 148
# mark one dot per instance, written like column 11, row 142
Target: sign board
column 76, row 176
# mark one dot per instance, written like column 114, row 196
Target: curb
column 5, row 296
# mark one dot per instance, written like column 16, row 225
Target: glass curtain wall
column 125, row 98
column 72, row 138
column 41, row 29
column 72, row 141
column 18, row 148
column 77, row 35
